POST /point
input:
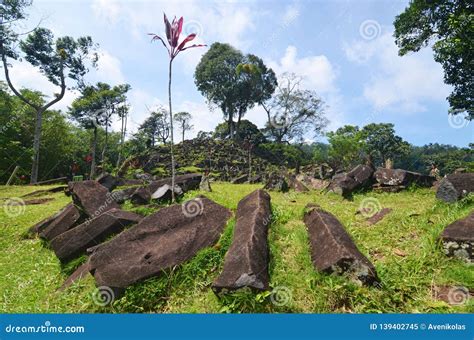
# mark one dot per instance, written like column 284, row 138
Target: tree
column 94, row 109
column 173, row 32
column 248, row 132
column 294, row 112
column 449, row 27
column 122, row 112
column 382, row 144
column 345, row 146
column 184, row 120
column 59, row 60
column 156, row 126
column 233, row 82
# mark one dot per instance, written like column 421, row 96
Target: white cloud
column 397, row 83
column 109, row 69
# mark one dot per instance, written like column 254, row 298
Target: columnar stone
column 246, row 261
column 332, row 249
column 397, row 177
column 160, row 241
column 276, row 182
column 358, row 178
column 108, row 181
column 458, row 238
column 67, row 219
column 92, row 198
column 185, row 182
column 456, row 186
column 92, row 232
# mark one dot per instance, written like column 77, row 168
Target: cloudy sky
column 344, row 50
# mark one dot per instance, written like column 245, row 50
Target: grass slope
column 403, row 247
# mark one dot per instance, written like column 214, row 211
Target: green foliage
column 156, row 127
column 345, row 147
column 450, row 25
column 232, row 81
column 247, row 132
column 282, row 154
column 381, row 143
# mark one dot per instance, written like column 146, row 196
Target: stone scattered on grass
column 454, row 187
column 399, row 177
column 246, row 261
column 92, row 198
column 108, row 181
column 65, row 220
column 458, row 238
column 92, row 232
column 332, row 249
column 160, row 241
column 378, row 216
column 358, row 178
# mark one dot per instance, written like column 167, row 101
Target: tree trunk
column 184, row 122
column 36, row 146
column 94, row 148
column 171, row 133
column 105, row 143
column 122, row 137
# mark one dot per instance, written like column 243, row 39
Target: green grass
column 30, row 274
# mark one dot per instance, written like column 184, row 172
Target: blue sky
column 344, row 50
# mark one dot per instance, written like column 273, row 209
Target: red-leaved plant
column 173, row 32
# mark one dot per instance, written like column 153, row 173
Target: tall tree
column 184, row 120
column 94, row 109
column 233, row 82
column 382, row 144
column 156, row 126
column 122, row 112
column 346, row 145
column 59, row 60
column 173, row 32
column 449, row 27
column 294, row 112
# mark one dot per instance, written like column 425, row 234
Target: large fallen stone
column 92, row 232
column 43, row 224
column 297, row 185
column 65, row 220
column 458, row 238
column 313, row 183
column 205, row 184
column 160, row 241
column 246, row 261
column 164, row 193
column 92, row 198
column 332, row 249
column 185, row 182
column 358, row 178
column 456, row 186
column 240, row 180
column 120, row 196
column 108, row 181
column 276, row 182
column 397, row 177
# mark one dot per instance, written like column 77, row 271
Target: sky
column 343, row 50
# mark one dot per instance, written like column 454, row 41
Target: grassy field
column 403, row 247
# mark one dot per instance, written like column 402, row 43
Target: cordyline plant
column 173, row 32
